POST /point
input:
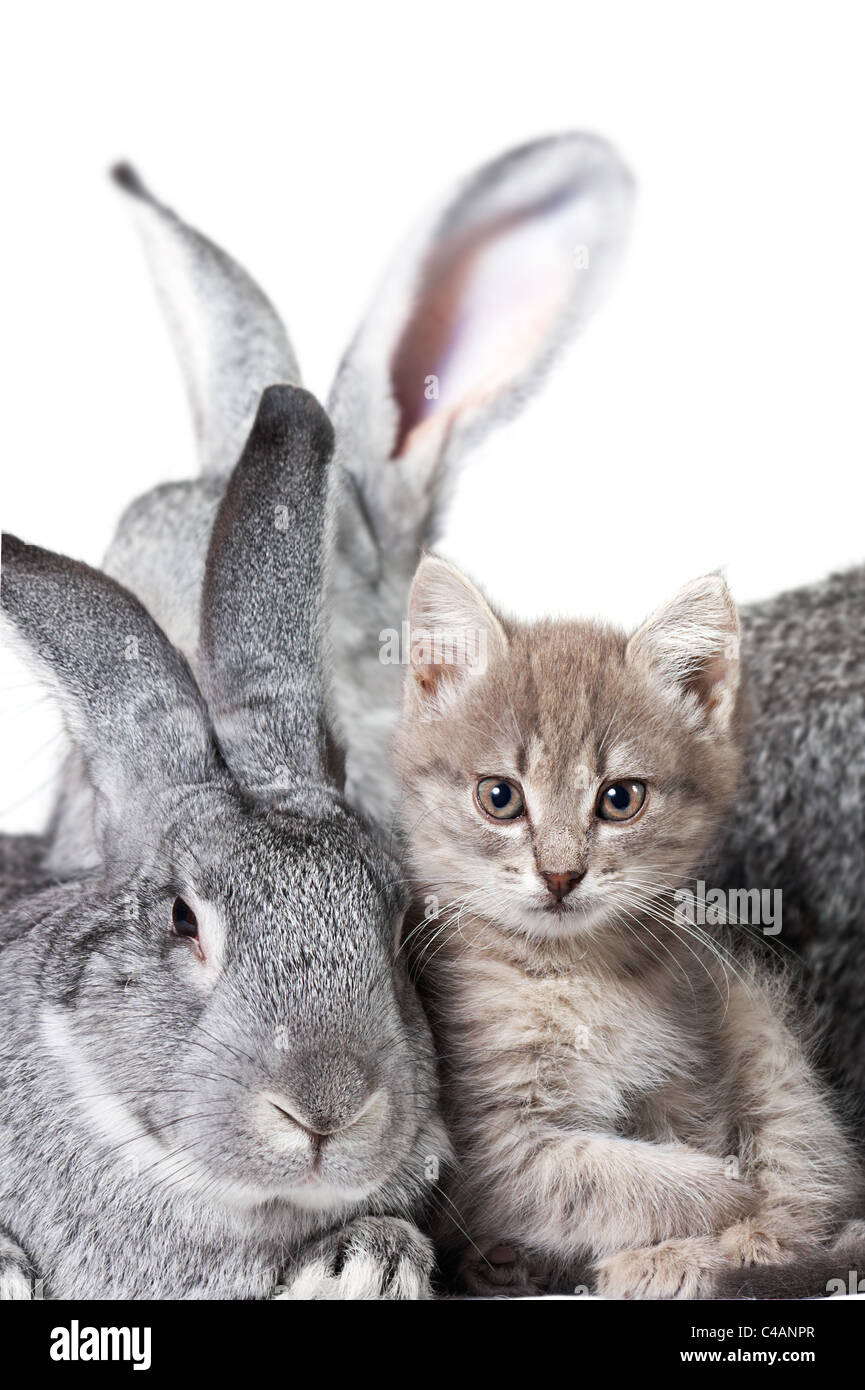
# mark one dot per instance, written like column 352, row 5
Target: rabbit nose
column 317, row 1135
column 321, row 1127
column 561, row 884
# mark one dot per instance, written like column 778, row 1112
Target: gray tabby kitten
column 621, row 1092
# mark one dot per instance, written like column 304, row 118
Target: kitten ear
column 454, row 632
column 692, row 646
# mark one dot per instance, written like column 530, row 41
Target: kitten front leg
column 606, row 1194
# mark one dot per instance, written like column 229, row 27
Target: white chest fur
column 572, row 1048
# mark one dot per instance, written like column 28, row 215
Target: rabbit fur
column 252, row 1111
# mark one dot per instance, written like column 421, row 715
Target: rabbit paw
column 500, row 1271
column 674, row 1269
column 16, row 1273
column 374, row 1257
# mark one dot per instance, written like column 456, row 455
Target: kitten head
column 556, row 774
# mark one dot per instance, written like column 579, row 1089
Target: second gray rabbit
column 798, row 822
column 466, row 324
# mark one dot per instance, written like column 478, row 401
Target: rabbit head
column 226, row 993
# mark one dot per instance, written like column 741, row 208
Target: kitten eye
column 184, row 920
column 621, row 800
column 500, row 798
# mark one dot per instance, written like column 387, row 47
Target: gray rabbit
column 217, row 1080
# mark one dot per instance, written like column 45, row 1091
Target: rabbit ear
column 472, row 316
column 259, row 659
column 127, row 696
column 466, row 326
column 228, row 335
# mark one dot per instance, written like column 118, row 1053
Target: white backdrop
column 711, row 415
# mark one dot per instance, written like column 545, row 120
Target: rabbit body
column 798, row 822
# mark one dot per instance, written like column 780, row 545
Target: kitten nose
column 561, row 884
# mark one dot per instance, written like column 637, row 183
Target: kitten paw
column 501, row 1271
column 750, row 1243
column 375, row 1257
column 674, row 1269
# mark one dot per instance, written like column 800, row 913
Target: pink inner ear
column 707, row 683
column 485, row 307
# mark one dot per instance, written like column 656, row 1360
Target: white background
column 711, row 415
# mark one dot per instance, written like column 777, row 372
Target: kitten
column 620, row 1092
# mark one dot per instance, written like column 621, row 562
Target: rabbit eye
column 621, row 800
column 183, row 919
column 500, row 798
